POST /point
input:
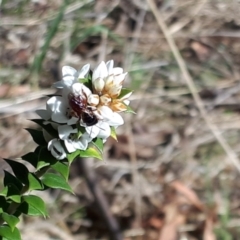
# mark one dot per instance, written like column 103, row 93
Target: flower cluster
column 87, row 108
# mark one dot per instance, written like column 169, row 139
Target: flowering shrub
column 75, row 123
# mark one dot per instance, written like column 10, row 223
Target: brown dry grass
column 169, row 176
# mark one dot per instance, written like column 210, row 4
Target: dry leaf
column 188, row 193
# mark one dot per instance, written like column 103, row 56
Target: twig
column 101, row 202
column 182, row 65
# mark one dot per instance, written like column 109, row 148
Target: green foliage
column 9, row 234
column 52, row 180
column 91, row 152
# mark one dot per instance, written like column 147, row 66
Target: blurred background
column 174, row 173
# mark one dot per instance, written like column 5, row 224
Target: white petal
column 69, row 145
column 93, row 131
column 106, row 112
column 105, row 130
column 116, row 120
column 59, row 118
column 93, row 99
column 82, row 143
column 119, row 78
column 64, row 131
column 80, row 89
column 56, row 149
column 100, row 71
column 67, row 70
column 72, row 120
column 109, row 66
column 117, row 71
column 84, row 71
column 99, row 84
column 56, row 104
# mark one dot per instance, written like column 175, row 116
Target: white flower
column 71, row 76
column 68, row 135
column 56, row 149
column 107, row 79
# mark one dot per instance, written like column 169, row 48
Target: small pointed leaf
column 61, row 168
column 19, row 169
column 7, row 233
column 12, row 192
column 129, row 109
column 113, row 133
column 72, row 156
column 34, row 183
column 98, row 142
column 32, row 158
column 45, row 158
column 37, row 136
column 54, row 181
column 91, row 152
column 48, row 127
column 10, row 179
column 11, row 220
column 124, row 92
column 37, row 203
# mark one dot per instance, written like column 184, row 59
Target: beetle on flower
column 87, row 109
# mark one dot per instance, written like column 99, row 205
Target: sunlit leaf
column 98, row 142
column 113, row 133
column 54, row 181
column 91, row 152
column 37, row 203
column 34, row 183
column 124, row 92
column 61, row 168
column 11, row 220
column 129, row 110
column 7, row 233
column 12, row 192
column 72, row 156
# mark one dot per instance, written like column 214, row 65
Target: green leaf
column 19, row 169
column 10, row 179
column 11, row 192
column 72, row 156
column 98, row 142
column 45, row 158
column 113, row 133
column 31, row 158
column 61, row 168
column 34, row 182
column 124, row 92
column 36, row 203
column 11, row 220
column 37, row 136
column 91, row 152
column 48, row 127
column 54, row 181
column 129, row 109
column 6, row 232
column 3, row 204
